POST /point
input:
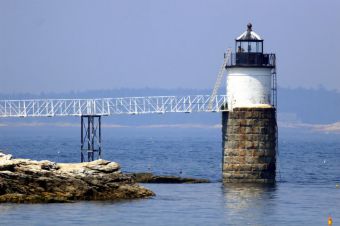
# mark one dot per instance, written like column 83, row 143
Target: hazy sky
column 79, row 45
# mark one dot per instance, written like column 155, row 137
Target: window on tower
column 249, row 47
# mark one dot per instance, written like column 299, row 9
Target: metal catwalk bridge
column 111, row 106
column 91, row 111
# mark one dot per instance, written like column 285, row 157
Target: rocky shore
column 29, row 181
column 158, row 179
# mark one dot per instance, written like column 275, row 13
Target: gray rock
column 151, row 178
column 25, row 180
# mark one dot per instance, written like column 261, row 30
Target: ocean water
column 306, row 192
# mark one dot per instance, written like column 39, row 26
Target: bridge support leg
column 91, row 139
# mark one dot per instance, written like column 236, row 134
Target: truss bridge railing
column 111, row 106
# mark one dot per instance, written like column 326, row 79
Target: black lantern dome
column 249, row 41
column 249, row 51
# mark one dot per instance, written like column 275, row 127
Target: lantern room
column 249, row 51
column 249, row 42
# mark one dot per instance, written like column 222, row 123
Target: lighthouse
column 249, row 126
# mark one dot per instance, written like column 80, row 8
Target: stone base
column 249, row 145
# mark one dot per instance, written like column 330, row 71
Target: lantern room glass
column 249, row 46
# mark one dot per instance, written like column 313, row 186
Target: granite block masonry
column 249, row 141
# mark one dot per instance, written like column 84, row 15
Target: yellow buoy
column 330, row 221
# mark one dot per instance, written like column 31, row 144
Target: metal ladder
column 274, row 87
column 274, row 103
column 219, row 79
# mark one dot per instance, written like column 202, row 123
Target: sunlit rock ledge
column 30, row 181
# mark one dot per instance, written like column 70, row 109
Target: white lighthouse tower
column 249, row 127
column 249, row 72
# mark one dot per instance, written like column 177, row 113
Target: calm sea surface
column 306, row 192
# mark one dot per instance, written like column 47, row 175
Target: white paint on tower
column 248, row 86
